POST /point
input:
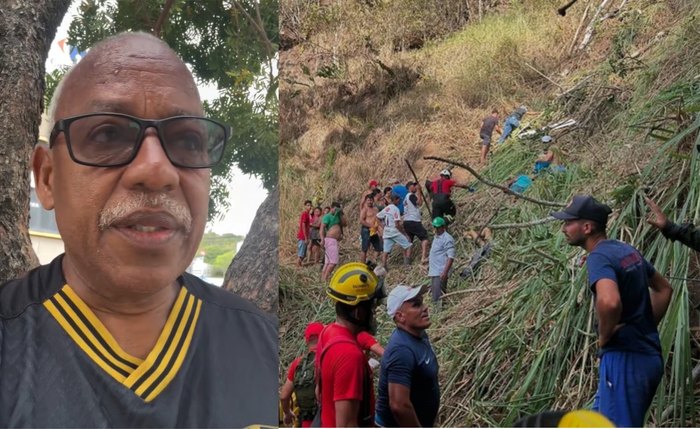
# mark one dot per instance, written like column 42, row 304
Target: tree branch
column 496, row 185
column 162, row 17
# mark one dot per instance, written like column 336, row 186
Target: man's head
column 355, row 290
column 387, row 192
column 312, row 332
column 411, row 186
column 335, row 207
column 135, row 224
column 446, row 173
column 307, row 205
column 395, row 198
column 494, row 113
column 405, row 305
column 439, row 224
column 326, row 210
column 369, row 200
column 584, row 217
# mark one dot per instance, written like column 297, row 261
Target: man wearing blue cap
column 630, row 298
column 409, row 393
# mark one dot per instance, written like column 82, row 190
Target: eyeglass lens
column 112, row 140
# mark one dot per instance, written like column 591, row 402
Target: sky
column 246, row 192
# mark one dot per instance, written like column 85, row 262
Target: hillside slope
column 369, row 84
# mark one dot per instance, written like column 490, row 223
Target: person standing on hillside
column 630, row 298
column 393, row 232
column 409, row 393
column 486, row 132
column 304, row 233
column 344, row 376
column 441, row 190
column 686, row 233
column 370, row 231
column 442, row 255
column 412, row 221
column 315, row 228
column 331, row 233
column 512, row 122
column 301, row 380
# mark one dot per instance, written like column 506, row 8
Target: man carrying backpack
column 301, row 380
column 344, row 377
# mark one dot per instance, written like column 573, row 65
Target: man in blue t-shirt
column 409, row 393
column 630, row 298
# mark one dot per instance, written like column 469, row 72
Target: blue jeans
column 627, row 385
column 511, row 123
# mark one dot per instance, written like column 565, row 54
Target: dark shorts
column 485, row 139
column 374, row 240
column 415, row 229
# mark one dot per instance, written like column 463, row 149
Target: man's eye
column 190, row 142
column 107, row 133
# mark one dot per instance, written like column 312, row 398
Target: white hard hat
column 446, row 172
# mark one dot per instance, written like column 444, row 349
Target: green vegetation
column 219, row 250
column 519, row 337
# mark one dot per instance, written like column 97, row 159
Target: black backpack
column 305, row 386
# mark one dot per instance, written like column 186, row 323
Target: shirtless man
column 331, row 233
column 370, row 232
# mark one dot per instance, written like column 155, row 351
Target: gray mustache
column 142, row 200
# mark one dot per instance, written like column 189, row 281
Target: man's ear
column 42, row 168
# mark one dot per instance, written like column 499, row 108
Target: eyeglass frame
column 62, row 126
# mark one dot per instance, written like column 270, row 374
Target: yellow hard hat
column 353, row 283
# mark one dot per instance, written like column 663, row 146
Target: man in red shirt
column 297, row 382
column 345, row 383
column 441, row 190
column 304, row 234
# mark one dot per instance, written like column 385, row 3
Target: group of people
column 630, row 299
column 337, row 369
column 388, row 217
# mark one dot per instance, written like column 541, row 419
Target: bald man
column 114, row 332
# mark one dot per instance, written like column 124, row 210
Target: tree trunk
column 27, row 28
column 254, row 271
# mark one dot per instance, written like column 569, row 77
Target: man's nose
column 151, row 170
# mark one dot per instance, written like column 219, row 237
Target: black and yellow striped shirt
column 214, row 364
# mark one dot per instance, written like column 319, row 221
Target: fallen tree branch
column 523, row 225
column 495, row 185
column 544, row 76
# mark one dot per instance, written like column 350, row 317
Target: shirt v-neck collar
column 147, row 378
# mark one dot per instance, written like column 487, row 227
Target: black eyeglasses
column 114, row 139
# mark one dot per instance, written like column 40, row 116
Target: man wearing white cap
column 409, row 393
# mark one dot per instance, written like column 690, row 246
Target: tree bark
column 254, row 271
column 27, row 29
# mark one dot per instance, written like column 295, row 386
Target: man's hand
column 443, row 277
column 288, row 417
column 657, row 218
column 603, row 341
